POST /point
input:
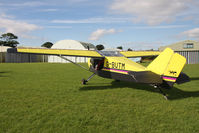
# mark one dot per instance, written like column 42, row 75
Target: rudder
column 168, row 65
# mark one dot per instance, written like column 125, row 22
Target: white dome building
column 70, row 44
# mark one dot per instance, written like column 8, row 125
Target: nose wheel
column 84, row 81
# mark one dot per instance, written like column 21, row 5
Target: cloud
column 58, row 27
column 20, row 28
column 27, row 4
column 78, row 1
column 161, row 27
column 93, row 20
column 48, row 10
column 154, row 12
column 143, row 45
column 193, row 33
column 96, row 35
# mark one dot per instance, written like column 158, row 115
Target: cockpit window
column 110, row 53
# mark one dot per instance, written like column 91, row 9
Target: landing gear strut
column 164, row 94
column 84, row 81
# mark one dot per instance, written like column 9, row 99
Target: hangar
column 17, row 57
column 24, row 58
column 3, row 52
column 70, row 44
column 188, row 48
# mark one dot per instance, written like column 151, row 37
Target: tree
column 120, row 47
column 129, row 49
column 9, row 39
column 47, row 45
column 100, row 47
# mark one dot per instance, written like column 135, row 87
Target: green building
column 188, row 48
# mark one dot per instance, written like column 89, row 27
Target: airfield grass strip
column 42, row 97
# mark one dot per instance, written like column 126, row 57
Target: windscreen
column 110, row 53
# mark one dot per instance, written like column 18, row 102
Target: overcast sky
column 136, row 24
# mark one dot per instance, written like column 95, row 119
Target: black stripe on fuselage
column 139, row 77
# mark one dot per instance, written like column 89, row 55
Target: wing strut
column 73, row 62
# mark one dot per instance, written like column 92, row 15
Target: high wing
column 79, row 53
column 71, row 52
column 130, row 54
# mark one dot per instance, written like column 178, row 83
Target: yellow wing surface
column 79, row 53
column 83, row 53
column 139, row 53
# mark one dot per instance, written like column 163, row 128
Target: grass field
column 50, row 98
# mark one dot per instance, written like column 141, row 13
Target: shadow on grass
column 1, row 73
column 173, row 94
column 176, row 93
column 194, row 78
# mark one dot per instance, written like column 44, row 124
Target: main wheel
column 165, row 97
column 84, row 81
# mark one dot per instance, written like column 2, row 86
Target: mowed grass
column 50, row 98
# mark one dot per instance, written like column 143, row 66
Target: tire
column 84, row 81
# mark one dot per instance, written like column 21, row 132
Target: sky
column 135, row 24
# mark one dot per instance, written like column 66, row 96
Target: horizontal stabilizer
column 183, row 78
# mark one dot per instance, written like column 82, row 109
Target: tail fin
column 168, row 64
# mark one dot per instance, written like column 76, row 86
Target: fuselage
column 164, row 71
column 122, row 68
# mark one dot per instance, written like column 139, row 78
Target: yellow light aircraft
column 162, row 72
